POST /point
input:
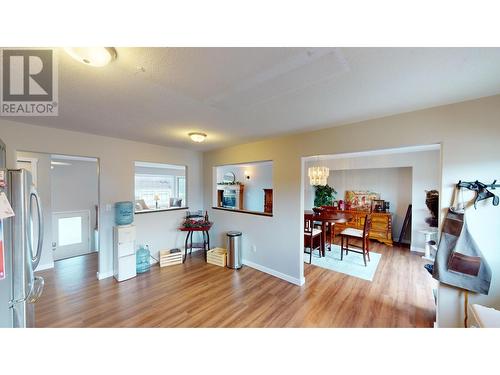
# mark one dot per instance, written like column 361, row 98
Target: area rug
column 352, row 264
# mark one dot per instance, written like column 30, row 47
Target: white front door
column 70, row 234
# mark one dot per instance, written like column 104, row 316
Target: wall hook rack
column 481, row 189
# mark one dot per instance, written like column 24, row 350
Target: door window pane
column 69, row 230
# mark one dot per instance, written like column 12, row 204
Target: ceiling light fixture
column 93, row 56
column 197, row 137
column 318, row 176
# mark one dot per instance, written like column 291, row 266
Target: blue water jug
column 124, row 213
column 142, row 259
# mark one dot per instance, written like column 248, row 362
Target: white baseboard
column 417, row 250
column 104, row 275
column 42, row 267
column 275, row 273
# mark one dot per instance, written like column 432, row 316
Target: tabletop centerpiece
column 193, row 223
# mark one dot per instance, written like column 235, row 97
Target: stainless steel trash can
column 234, row 250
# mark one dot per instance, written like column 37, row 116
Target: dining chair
column 312, row 237
column 363, row 235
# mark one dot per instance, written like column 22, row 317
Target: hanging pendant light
column 318, row 175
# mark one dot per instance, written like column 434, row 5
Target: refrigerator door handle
column 36, row 289
column 36, row 258
column 33, row 295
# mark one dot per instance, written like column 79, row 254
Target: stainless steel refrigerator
column 21, row 247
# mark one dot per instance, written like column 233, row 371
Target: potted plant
column 324, row 195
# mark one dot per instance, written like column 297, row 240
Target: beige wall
column 469, row 134
column 116, row 181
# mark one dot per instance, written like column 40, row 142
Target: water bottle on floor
column 142, row 259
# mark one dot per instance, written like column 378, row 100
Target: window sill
column 243, row 211
column 161, row 210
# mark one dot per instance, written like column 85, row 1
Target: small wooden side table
column 205, row 245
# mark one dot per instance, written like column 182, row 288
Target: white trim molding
column 275, row 273
column 104, row 275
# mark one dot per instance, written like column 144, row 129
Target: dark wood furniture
column 312, row 237
column 363, row 235
column 268, row 201
column 381, row 229
column 205, row 245
column 328, row 220
column 330, row 227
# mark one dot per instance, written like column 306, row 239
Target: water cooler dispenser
column 124, row 262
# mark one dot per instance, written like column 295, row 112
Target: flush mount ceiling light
column 197, row 137
column 93, row 56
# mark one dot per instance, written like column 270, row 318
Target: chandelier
column 318, row 175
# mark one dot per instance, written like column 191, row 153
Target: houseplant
column 324, row 195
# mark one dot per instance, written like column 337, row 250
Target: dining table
column 328, row 219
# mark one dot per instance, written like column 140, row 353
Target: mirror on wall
column 229, row 177
column 246, row 187
column 159, row 187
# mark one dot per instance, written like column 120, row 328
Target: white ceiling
column 242, row 94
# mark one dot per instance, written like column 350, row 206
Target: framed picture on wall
column 360, row 199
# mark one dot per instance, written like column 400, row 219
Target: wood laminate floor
column 197, row 294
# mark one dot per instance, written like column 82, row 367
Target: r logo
column 29, row 82
column 27, row 75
